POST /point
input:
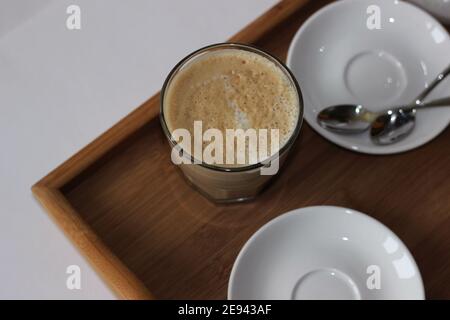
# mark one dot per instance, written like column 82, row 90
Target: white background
column 59, row 89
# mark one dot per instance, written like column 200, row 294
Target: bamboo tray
column 149, row 235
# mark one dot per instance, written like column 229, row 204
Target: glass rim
column 251, row 48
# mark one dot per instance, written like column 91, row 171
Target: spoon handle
column 432, row 85
column 443, row 102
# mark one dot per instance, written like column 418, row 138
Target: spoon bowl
column 393, row 125
column 346, row 118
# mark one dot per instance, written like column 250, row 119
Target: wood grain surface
column 124, row 195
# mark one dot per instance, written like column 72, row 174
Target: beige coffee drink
column 228, row 87
column 233, row 89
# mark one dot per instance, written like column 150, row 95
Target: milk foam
column 232, row 89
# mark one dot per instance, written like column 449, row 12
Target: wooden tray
column 126, row 207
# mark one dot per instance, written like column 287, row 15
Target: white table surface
column 60, row 89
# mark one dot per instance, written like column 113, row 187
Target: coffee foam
column 232, row 89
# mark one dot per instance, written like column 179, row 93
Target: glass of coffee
column 231, row 113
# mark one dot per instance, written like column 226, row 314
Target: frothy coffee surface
column 232, row 89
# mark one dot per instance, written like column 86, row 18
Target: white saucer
column 325, row 252
column 338, row 60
